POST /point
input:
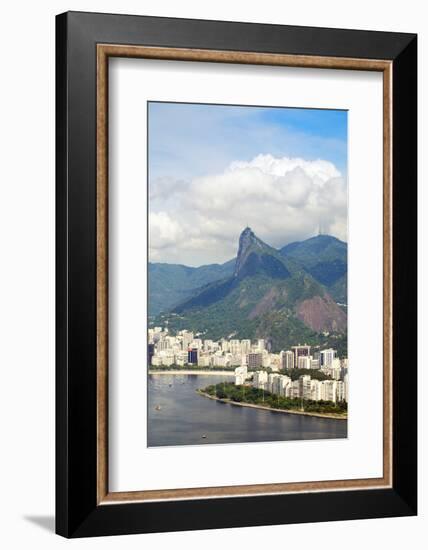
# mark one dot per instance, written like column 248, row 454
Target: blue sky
column 188, row 140
column 215, row 169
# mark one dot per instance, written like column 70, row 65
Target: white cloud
column 281, row 199
column 165, row 232
column 319, row 170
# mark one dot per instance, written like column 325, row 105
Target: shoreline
column 271, row 409
column 199, row 372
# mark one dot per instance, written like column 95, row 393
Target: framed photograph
column 236, row 274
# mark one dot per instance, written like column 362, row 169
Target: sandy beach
column 204, row 372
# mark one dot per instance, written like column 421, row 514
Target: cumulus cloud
column 319, row 170
column 281, row 199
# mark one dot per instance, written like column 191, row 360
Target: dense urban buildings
column 255, row 364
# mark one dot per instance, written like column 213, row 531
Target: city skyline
column 322, row 374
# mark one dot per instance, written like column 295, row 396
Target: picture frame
column 84, row 44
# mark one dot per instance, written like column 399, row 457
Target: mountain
column 269, row 295
column 170, row 284
column 326, row 259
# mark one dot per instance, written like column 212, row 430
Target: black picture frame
column 77, row 511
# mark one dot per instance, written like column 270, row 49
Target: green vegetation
column 170, row 284
column 262, row 296
column 315, row 374
column 240, row 314
column 325, row 258
column 254, row 396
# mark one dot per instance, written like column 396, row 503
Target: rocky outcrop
column 266, row 304
column 321, row 314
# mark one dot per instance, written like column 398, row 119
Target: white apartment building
column 156, row 361
column 204, row 360
column 163, row 344
column 336, row 363
column 305, row 386
column 275, row 361
column 266, row 359
column 208, row 345
column 196, row 343
column 235, row 360
column 245, row 346
column 219, row 360
column 272, row 382
column 186, row 338
column 167, row 359
column 294, row 392
column 260, row 379
column 340, row 391
column 235, row 347
column 326, row 357
column 336, row 373
column 346, row 384
column 287, row 359
column 329, row 390
column 315, row 390
column 304, row 362
column 224, row 345
column 241, row 374
column 279, row 384
column 315, row 363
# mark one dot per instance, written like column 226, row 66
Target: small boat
column 204, row 436
column 158, row 407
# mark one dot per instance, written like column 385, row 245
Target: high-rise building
column 305, row 386
column 204, row 360
column 315, row 363
column 315, row 390
column 235, row 347
column 245, row 346
column 187, row 338
column 266, row 359
column 327, row 356
column 304, row 362
column 150, row 353
column 208, row 344
column 294, row 389
column 254, row 360
column 277, row 383
column 260, row 379
column 346, row 384
column 192, row 356
column 219, row 360
column 329, row 390
column 163, row 345
column 196, row 343
column 168, row 359
column 340, row 391
column 300, row 351
column 275, row 361
column 288, row 360
column 272, row 384
column 240, row 375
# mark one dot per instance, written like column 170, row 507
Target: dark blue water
column 184, row 416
